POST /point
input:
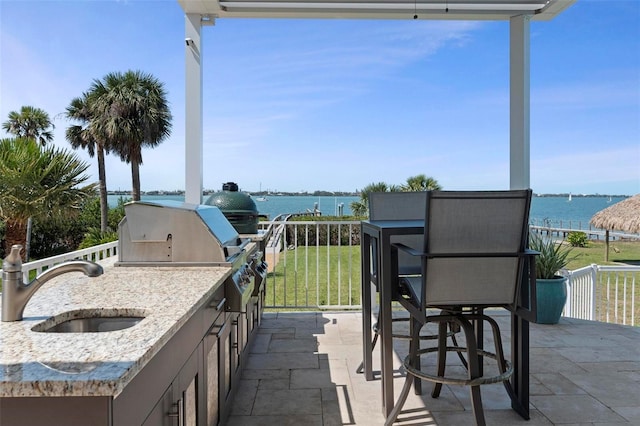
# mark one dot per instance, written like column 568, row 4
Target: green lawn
column 304, row 278
column 620, row 252
column 316, row 276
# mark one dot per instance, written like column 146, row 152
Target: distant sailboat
column 609, row 200
column 261, row 198
column 569, row 200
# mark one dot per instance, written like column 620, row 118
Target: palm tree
column 360, row 208
column 420, row 183
column 38, row 182
column 131, row 111
column 30, row 123
column 83, row 136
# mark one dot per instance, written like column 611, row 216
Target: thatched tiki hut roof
column 622, row 216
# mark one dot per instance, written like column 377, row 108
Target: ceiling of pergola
column 377, row 9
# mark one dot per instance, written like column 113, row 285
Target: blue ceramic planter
column 551, row 297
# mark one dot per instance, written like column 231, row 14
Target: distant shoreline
column 336, row 194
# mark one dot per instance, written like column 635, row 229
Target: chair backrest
column 475, row 241
column 401, row 206
column 397, row 205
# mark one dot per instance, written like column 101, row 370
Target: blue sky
column 336, row 105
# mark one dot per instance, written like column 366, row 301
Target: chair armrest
column 414, row 252
column 407, row 249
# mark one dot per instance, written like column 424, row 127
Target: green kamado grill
column 238, row 207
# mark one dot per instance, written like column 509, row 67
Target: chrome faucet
column 16, row 294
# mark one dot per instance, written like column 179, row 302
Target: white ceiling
column 377, row 9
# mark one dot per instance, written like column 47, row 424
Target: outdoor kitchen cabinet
column 218, row 346
column 179, row 404
column 162, row 394
column 169, row 390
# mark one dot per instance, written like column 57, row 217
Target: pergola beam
column 519, row 108
column 193, row 108
column 518, row 12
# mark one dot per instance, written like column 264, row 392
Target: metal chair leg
column 442, row 356
column 415, row 327
column 474, row 371
column 360, row 368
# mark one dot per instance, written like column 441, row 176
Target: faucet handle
column 13, row 262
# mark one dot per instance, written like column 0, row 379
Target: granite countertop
column 100, row 364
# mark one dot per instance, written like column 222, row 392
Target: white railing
column 603, row 293
column 314, row 265
column 309, row 271
column 31, row 269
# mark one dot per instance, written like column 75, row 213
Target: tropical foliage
column 85, row 136
column 360, row 208
column 577, row 239
column 91, row 216
column 37, row 183
column 420, row 183
column 553, row 256
column 129, row 111
column 30, row 123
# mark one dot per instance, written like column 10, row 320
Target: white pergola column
column 519, row 144
column 193, row 109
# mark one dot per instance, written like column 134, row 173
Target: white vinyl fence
column 95, row 253
column 604, row 293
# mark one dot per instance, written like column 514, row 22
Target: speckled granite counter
column 100, row 364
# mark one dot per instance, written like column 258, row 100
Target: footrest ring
column 453, row 381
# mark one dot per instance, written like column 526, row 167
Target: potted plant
column 551, row 289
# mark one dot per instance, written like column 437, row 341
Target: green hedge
column 312, row 235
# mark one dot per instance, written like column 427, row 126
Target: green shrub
column 577, row 239
column 312, row 235
column 553, row 256
column 94, row 237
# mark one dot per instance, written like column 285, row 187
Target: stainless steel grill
column 170, row 233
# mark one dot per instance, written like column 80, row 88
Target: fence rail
column 316, row 265
column 592, row 234
column 604, row 293
column 95, row 253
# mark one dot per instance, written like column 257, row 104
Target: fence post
column 593, row 295
column 568, row 307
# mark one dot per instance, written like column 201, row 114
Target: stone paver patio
column 301, row 371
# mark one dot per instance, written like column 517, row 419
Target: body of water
column 553, row 211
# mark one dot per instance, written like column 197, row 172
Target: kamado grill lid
column 238, row 207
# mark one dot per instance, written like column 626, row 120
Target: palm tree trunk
column 102, row 178
column 135, row 180
column 15, row 233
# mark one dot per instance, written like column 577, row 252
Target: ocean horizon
column 554, row 211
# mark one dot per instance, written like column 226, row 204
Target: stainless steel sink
column 90, row 322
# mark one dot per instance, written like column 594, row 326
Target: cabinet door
column 161, row 414
column 217, row 371
column 188, row 391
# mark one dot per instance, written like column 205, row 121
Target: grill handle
column 220, row 304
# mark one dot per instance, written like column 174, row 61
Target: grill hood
column 171, row 232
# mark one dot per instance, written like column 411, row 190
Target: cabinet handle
column 219, row 331
column 176, row 413
column 179, row 414
column 219, row 305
